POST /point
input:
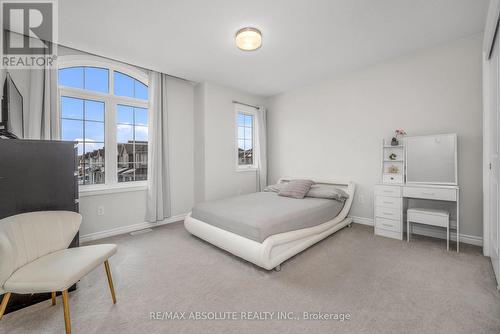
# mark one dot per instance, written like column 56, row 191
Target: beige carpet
column 387, row 286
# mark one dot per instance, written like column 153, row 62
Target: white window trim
column 93, row 61
column 102, row 189
column 239, row 108
column 111, row 184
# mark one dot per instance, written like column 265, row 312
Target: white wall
column 334, row 129
column 129, row 208
column 215, row 118
column 180, row 107
column 199, row 142
column 120, row 210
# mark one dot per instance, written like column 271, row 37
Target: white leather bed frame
column 278, row 247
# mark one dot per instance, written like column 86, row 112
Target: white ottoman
column 432, row 217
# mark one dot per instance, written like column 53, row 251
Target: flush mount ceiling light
column 248, row 39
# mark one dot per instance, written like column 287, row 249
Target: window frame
column 247, row 110
column 110, row 121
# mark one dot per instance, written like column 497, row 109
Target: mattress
column 259, row 215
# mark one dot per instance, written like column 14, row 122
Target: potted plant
column 399, row 133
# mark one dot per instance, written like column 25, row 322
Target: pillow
column 296, row 188
column 327, row 191
column 275, row 188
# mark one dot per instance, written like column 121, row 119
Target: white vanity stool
column 432, row 217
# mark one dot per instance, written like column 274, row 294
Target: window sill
column 248, row 169
column 105, row 189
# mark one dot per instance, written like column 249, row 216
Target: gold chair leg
column 3, row 306
column 53, row 298
column 67, row 321
column 110, row 281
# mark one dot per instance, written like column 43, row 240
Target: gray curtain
column 262, row 148
column 158, row 198
column 41, row 117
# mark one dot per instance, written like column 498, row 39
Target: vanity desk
column 391, row 203
column 423, row 170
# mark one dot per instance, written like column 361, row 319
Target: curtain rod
column 246, row 104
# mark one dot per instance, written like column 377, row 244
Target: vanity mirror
column 431, row 159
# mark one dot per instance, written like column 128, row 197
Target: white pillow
column 275, row 188
column 327, row 191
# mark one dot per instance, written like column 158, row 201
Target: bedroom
column 250, row 190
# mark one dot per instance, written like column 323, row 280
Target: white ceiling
column 303, row 40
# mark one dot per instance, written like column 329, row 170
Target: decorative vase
column 394, row 141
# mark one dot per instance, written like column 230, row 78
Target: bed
column 267, row 229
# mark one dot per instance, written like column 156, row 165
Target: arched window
column 104, row 108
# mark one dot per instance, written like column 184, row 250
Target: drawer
column 391, row 191
column 392, row 178
column 387, row 213
column 388, row 202
column 442, row 194
column 388, row 224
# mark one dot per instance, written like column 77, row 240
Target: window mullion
column 81, row 94
column 111, row 147
column 131, row 103
column 84, row 150
column 111, row 131
column 133, row 143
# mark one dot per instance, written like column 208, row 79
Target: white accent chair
column 35, row 258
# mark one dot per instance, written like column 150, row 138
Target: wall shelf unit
column 392, row 170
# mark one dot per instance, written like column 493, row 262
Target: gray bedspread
column 257, row 216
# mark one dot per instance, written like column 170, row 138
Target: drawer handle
column 387, row 225
column 387, row 191
column 387, row 202
column 429, row 194
column 388, row 214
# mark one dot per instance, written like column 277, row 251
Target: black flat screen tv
column 11, row 117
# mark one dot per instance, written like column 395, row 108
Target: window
column 89, row 78
column 132, row 139
column 82, row 121
column 104, row 108
column 245, row 138
column 130, row 87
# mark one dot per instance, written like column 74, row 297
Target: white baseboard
column 362, row 220
column 417, row 229
column 428, row 231
column 441, row 234
column 130, row 228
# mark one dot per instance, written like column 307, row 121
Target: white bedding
column 278, row 247
column 259, row 215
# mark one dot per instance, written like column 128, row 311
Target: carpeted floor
column 384, row 285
